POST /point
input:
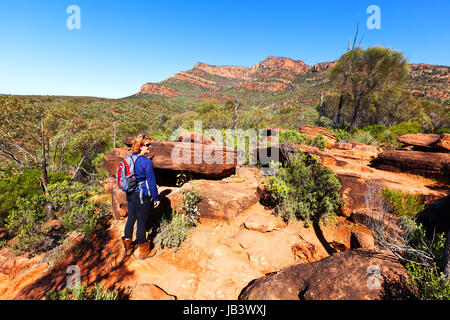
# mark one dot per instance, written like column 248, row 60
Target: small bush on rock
column 419, row 252
column 173, row 231
column 174, row 228
column 294, row 137
column 189, row 208
column 304, row 189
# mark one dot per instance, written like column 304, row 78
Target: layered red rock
column 428, row 164
column 224, row 71
column 432, row 142
column 423, row 74
column 152, row 88
column 273, row 65
column 195, row 80
column 322, row 66
column 273, row 74
column 210, row 160
column 194, row 137
column 262, row 86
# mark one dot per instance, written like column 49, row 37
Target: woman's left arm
column 151, row 181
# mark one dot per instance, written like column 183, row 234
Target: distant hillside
column 280, row 79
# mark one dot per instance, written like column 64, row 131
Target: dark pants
column 139, row 212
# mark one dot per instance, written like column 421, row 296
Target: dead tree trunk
column 320, row 110
column 44, row 160
column 235, row 113
column 338, row 113
column 161, row 116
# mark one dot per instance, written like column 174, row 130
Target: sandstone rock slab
column 427, row 164
column 342, row 276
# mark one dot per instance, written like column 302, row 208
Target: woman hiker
column 139, row 200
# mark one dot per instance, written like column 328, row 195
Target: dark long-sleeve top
column 144, row 171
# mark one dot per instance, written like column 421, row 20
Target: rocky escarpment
column 272, row 74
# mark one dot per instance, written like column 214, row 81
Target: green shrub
column 80, row 292
column 304, row 189
column 403, row 204
column 318, row 141
column 341, row 134
column 400, row 129
column 207, row 107
column 291, row 136
column 24, row 185
column 74, row 207
column 174, row 228
column 376, row 131
column 442, row 130
column 427, row 283
column 172, row 232
column 189, row 207
column 25, row 222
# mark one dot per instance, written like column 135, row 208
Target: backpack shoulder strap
column 134, row 159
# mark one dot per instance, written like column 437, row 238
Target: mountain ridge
column 277, row 75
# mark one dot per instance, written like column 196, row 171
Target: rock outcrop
column 214, row 204
column 322, row 66
column 427, row 142
column 427, row 164
column 342, row 276
column 213, row 160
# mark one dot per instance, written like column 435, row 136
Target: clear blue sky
column 123, row 44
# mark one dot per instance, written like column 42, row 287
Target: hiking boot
column 129, row 248
column 144, row 251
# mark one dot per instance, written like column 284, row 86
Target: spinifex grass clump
column 304, row 190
